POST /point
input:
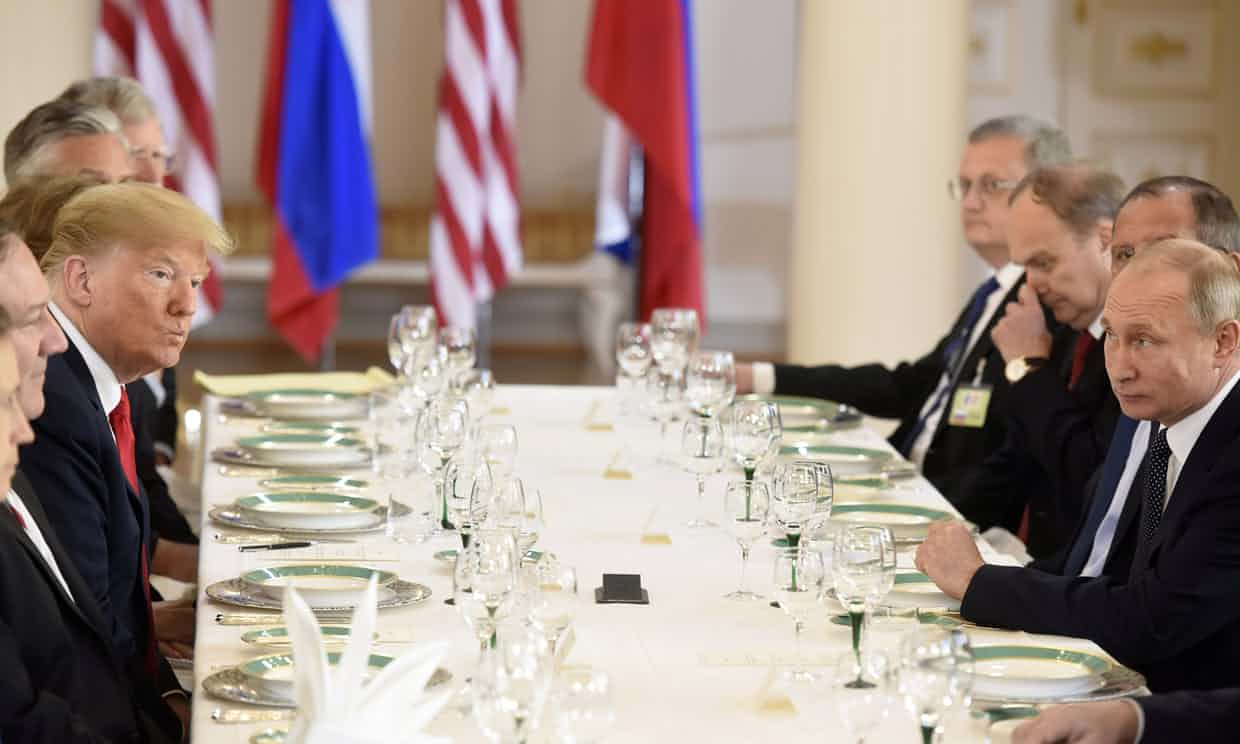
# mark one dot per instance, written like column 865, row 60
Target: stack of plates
column 318, row 450
column 310, row 510
column 915, row 589
column 301, row 404
column 843, row 460
column 321, row 585
column 1020, row 672
column 807, row 416
column 907, row 522
column 272, row 676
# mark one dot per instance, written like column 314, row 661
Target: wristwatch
column 1021, row 366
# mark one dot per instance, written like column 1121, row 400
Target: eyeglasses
column 164, row 157
column 988, row 187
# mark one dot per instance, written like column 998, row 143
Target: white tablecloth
column 691, row 666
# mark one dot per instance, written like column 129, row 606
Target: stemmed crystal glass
column 443, row 430
column 585, row 712
column 398, row 351
column 477, row 388
column 935, row 675
column 710, row 382
column 393, row 455
column 460, row 345
column 746, row 505
column 499, row 446
column 863, row 569
column 429, row 376
column 520, row 510
column 513, row 683
column 861, row 706
column 753, row 429
column 799, row 576
column 817, row 529
column 666, row 395
column 552, row 596
column 701, row 450
column 484, row 582
column 633, row 360
column 469, row 489
column 673, row 336
column 794, row 498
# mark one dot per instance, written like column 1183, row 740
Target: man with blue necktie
column 946, row 433
column 1172, row 344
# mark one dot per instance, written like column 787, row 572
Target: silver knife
column 242, row 618
column 242, row 715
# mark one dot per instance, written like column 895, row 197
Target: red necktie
column 17, row 516
column 122, row 428
column 1084, row 343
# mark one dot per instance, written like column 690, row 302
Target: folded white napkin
column 333, row 706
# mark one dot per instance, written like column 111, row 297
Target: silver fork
column 242, row 715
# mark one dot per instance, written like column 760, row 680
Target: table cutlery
column 256, row 618
column 270, row 538
column 242, row 715
column 275, row 546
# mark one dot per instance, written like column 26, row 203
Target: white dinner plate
column 310, row 510
column 320, row 584
column 301, row 404
column 1024, row 672
column 305, row 449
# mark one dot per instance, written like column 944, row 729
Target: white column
column 873, row 273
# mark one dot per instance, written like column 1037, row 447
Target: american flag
column 475, row 241
column 167, row 46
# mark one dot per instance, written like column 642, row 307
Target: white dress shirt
column 32, row 530
column 106, row 383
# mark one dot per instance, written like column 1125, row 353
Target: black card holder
column 621, row 589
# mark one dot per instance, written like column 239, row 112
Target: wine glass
column 673, row 336
column 710, row 382
column 499, row 446
column 633, row 354
column 512, row 685
column 398, row 350
column 416, row 337
column 553, row 597
column 861, row 707
column 461, row 347
column 701, row 450
column 392, row 426
column 798, row 581
column 586, row 712
column 484, row 582
column 666, row 394
column 442, row 430
column 794, row 497
column 935, row 675
column 817, row 528
column 753, row 429
column 746, row 505
column 429, row 375
column 477, row 388
column 518, row 509
column 469, row 489
column 863, row 569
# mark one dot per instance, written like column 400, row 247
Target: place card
column 656, row 538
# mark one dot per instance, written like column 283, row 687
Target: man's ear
column 1226, row 340
column 76, row 276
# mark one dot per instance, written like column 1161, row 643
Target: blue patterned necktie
column 1104, row 495
column 953, row 355
column 1155, row 482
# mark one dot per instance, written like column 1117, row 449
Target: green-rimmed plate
column 234, row 685
column 272, row 676
column 1025, row 672
column 906, row 521
column 333, row 635
column 302, row 449
column 808, row 415
column 915, row 589
column 300, row 404
column 310, row 510
column 945, row 619
column 270, row 736
column 310, row 427
column 330, row 483
column 320, row 584
column 861, row 484
column 843, row 460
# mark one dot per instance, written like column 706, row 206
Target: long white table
column 690, row 664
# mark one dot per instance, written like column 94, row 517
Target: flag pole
column 484, row 335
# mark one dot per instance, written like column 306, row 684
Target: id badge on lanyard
column 970, row 401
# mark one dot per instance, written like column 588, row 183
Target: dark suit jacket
column 901, row 393
column 1057, row 437
column 1198, row 717
column 73, row 463
column 166, row 519
column 1176, row 618
column 61, row 680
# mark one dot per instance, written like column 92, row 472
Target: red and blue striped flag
column 314, row 162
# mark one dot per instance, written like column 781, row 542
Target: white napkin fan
column 333, row 705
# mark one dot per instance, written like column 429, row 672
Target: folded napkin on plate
column 336, row 382
column 333, row 705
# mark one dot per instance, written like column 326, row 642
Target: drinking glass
column 398, row 350
column 861, row 707
column 863, row 568
column 746, row 505
column 419, row 338
column 935, row 675
column 633, row 355
column 442, row 430
column 499, row 446
column 673, row 336
column 553, row 597
column 798, row 581
column 794, row 497
column 429, row 376
column 710, row 382
column 701, row 450
column 666, row 395
column 393, row 456
column 460, row 345
column 753, row 430
column 484, row 582
column 585, row 709
column 468, row 489
column 518, row 509
column 512, row 685
column 817, row 528
column 477, row 388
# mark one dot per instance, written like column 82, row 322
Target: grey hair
column 1044, row 144
column 57, row 120
column 121, row 95
column 1213, row 282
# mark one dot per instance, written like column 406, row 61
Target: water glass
column 673, row 336
column 442, row 432
column 484, row 582
column 746, row 505
column 710, row 382
column 552, row 597
column 794, row 497
column 520, row 510
column 863, row 568
column 665, row 390
column 633, row 355
column 499, row 447
column 512, row 685
column 460, row 346
column 935, row 675
column 469, row 489
column 477, row 388
column 861, row 707
column 798, row 582
column 753, row 431
column 701, row 451
column 392, row 427
column 585, row 711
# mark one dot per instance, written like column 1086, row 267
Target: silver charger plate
column 237, row 592
column 236, row 456
column 230, row 517
column 231, row 685
column 1117, row 682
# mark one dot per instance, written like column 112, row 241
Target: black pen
column 275, row 546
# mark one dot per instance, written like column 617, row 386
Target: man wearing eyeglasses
column 952, row 402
